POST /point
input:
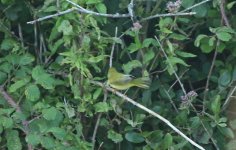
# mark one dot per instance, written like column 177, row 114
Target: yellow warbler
column 121, row 81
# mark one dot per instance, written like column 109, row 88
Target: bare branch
column 196, row 5
column 150, row 112
column 168, row 15
column 177, row 77
column 113, row 48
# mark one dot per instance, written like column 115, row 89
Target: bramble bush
column 47, row 99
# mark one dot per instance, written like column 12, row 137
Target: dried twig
column 150, row 112
column 223, row 14
column 168, row 15
column 113, row 48
column 196, row 5
column 177, row 77
column 98, row 119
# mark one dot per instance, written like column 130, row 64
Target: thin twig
column 223, row 14
column 180, row 83
column 196, row 5
column 228, row 98
column 177, row 80
column 131, row 10
column 150, row 112
column 83, row 10
column 168, row 15
column 14, row 105
column 171, row 101
column 52, row 16
column 21, row 35
column 98, row 119
column 113, row 48
column 208, row 78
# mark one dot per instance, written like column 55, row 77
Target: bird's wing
column 123, row 79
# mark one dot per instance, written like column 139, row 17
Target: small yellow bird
column 121, row 81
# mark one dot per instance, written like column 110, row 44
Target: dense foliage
column 47, row 100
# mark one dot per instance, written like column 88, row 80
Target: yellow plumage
column 121, row 81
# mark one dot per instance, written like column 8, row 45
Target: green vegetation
column 51, row 72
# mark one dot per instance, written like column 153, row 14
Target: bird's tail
column 143, row 82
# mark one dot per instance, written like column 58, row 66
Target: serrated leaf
column 26, row 59
column 13, row 140
column 3, row 77
column 101, row 107
column 65, row 27
column 42, row 78
column 32, row 92
column 49, row 113
column 114, row 136
column 59, row 133
column 128, row 67
column 6, row 122
column 18, row 84
column 134, row 137
column 47, row 142
column 149, row 55
column 33, row 138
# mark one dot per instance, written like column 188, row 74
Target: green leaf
column 89, row 2
column 206, row 48
column 179, row 37
column 176, row 60
column 65, row 27
column 134, row 137
column 6, row 122
column 26, row 59
column 225, row 78
column 133, row 47
column 198, row 39
column 32, row 92
column 201, row 11
column 42, row 78
column 227, row 132
column 230, row 4
column 167, row 141
column 8, row 44
column 18, row 84
column 114, row 136
column 148, row 56
column 59, row 133
column 101, row 8
column 97, row 93
column 33, row 138
column 148, row 41
column 13, row 140
column 128, row 67
column 185, row 54
column 3, row 77
column 215, row 105
column 47, row 142
column 49, row 113
column 101, row 107
column 97, row 59
column 224, row 36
